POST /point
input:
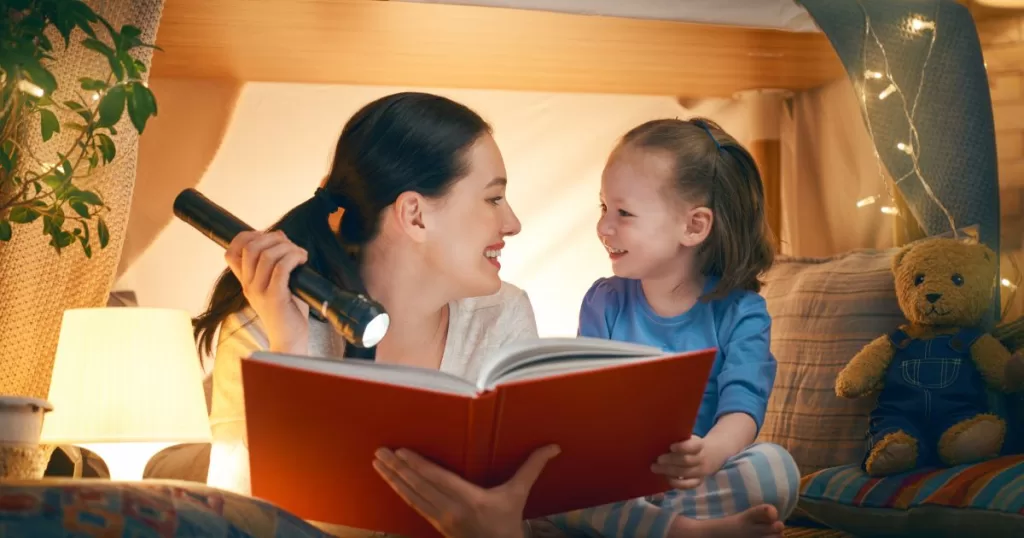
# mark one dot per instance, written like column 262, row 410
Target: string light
column 30, row 88
column 863, row 202
column 915, row 25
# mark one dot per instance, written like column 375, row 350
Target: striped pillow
column 824, row 310
column 983, row 499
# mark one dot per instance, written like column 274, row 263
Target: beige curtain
column 828, row 164
column 36, row 284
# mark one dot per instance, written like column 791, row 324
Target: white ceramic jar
column 21, row 420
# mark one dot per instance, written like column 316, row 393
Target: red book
column 613, row 408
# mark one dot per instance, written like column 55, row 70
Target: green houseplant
column 57, row 195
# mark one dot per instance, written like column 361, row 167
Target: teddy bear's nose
column 932, row 297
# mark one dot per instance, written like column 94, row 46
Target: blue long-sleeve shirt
column 737, row 325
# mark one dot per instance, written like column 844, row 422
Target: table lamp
column 126, row 383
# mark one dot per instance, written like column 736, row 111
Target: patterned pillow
column 983, row 499
column 152, row 508
column 824, row 310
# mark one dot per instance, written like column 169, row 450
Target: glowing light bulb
column 30, row 88
column 887, row 91
column 872, row 74
column 918, row 24
column 889, row 210
column 1006, row 282
column 905, row 148
column 867, row 201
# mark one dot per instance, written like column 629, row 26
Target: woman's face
column 469, row 224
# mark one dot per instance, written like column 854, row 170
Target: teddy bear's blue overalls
column 930, row 385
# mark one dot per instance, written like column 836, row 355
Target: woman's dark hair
column 713, row 169
column 399, row 143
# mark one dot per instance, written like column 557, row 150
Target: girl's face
column 467, row 226
column 645, row 226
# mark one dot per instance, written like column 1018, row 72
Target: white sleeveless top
column 477, row 327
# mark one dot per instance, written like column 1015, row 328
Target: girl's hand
column 684, row 464
column 263, row 263
column 455, row 507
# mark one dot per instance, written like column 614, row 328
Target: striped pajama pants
column 764, row 473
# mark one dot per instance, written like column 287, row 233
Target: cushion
column 824, row 310
column 97, row 507
column 983, row 499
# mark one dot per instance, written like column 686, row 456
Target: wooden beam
column 438, row 45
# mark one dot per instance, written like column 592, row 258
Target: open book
column 612, row 407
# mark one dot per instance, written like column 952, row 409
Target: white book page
column 525, row 359
column 536, row 358
column 392, row 374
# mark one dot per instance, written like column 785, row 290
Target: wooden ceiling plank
column 411, row 44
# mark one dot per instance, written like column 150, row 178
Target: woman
column 412, row 213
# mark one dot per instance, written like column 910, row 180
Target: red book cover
column 313, row 434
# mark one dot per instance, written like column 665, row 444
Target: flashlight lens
column 376, row 329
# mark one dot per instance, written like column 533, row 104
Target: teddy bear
column 931, row 375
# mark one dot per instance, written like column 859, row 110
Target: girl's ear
column 408, row 211
column 696, row 226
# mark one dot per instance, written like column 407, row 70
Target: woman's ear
column 696, row 226
column 409, row 212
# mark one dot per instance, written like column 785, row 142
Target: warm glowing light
column 867, row 201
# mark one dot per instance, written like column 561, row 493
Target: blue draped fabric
column 956, row 149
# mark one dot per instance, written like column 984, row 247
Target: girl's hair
column 399, row 143
column 713, row 169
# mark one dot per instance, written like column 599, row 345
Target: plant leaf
column 81, row 209
column 103, row 232
column 61, row 239
column 23, row 215
column 141, row 106
column 87, row 197
column 41, row 76
column 129, row 64
column 92, row 85
column 112, row 106
column 5, row 230
column 49, row 123
column 81, row 110
column 130, row 33
column 5, row 159
column 53, row 181
column 107, row 147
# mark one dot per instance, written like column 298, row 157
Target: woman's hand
column 684, row 464
column 263, row 263
column 457, row 508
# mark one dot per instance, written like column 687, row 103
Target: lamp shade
column 126, row 375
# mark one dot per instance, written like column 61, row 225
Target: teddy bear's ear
column 987, row 252
column 898, row 258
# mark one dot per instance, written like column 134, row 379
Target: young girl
column 683, row 220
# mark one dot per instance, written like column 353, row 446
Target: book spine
column 480, row 438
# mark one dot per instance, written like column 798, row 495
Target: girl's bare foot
column 757, row 522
